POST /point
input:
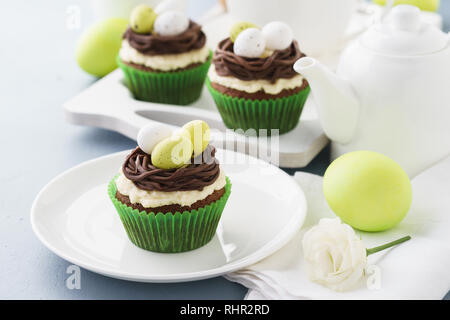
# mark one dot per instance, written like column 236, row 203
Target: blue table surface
column 38, row 75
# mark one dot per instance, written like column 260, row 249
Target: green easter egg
column 367, row 190
column 173, row 152
column 99, row 46
column 426, row 5
column 199, row 133
column 142, row 19
column 238, row 27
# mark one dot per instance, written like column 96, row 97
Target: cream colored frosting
column 255, row 85
column 166, row 62
column 153, row 199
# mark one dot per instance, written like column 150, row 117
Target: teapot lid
column 404, row 33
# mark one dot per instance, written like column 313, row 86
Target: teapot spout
column 338, row 107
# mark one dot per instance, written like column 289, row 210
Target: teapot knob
column 406, row 17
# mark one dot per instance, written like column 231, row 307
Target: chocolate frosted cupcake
column 164, row 57
column 170, row 203
column 252, row 79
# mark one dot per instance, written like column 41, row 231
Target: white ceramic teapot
column 391, row 93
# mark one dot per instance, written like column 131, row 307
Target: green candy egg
column 238, row 27
column 99, row 46
column 173, row 152
column 199, row 133
column 142, row 19
column 367, row 190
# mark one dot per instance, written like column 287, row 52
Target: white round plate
column 75, row 219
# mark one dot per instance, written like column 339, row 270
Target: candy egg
column 237, row 28
column 172, row 152
column 142, row 19
column 199, row 134
column 367, row 190
column 150, row 135
column 250, row 43
column 278, row 35
column 99, row 45
column 171, row 23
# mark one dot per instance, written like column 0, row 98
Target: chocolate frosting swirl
column 278, row 65
column 152, row 44
column 203, row 171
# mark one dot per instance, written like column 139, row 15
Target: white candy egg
column 171, row 23
column 250, row 43
column 150, row 135
column 278, row 35
column 171, row 5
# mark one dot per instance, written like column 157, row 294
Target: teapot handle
column 389, row 5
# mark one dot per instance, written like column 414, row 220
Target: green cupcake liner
column 178, row 87
column 239, row 113
column 170, row 232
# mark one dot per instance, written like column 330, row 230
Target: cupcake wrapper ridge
column 240, row 113
column 170, row 232
column 179, row 87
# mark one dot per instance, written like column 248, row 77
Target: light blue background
column 38, row 74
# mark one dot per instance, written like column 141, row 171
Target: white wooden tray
column 109, row 104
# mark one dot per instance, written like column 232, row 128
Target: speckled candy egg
column 199, row 133
column 150, row 135
column 173, row 152
column 142, row 19
column 278, row 35
column 250, row 43
column 171, row 23
column 238, row 27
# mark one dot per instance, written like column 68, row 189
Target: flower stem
column 387, row 245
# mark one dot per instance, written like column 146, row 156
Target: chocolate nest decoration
column 150, row 44
column 278, row 65
column 203, row 171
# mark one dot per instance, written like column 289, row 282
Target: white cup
column 318, row 25
column 118, row 8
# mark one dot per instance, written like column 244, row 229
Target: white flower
column 335, row 256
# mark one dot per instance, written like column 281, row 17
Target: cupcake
column 164, row 57
column 171, row 192
column 252, row 79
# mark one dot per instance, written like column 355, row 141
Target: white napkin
column 416, row 269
